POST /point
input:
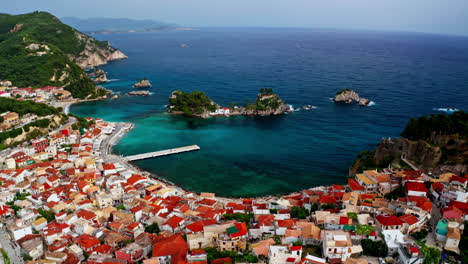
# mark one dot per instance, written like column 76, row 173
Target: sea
column 405, row 75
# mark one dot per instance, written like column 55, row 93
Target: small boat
column 184, row 46
column 308, row 107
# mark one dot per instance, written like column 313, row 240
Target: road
column 12, row 249
column 106, row 145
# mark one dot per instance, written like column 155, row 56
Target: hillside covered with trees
column 37, row 49
column 194, row 103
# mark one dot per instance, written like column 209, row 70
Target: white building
column 18, row 229
column 338, row 245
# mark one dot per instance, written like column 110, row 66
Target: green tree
column 48, row 215
column 374, row 248
column 299, row 212
column 352, row 215
column 420, row 235
column 364, row 229
column 153, row 228
column 246, row 218
column 431, row 255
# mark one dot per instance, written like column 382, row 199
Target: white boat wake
column 446, row 110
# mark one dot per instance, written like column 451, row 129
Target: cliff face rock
column 420, row 152
column 443, row 154
column 94, row 53
column 142, row 84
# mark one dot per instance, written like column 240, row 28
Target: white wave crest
column 446, row 110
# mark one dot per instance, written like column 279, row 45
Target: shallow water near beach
column 405, row 74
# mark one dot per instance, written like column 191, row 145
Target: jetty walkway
column 162, row 153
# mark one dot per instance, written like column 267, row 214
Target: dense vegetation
column 299, row 212
column 344, row 91
column 153, row 228
column 194, row 103
column 266, row 100
column 59, row 42
column 366, row 161
column 441, row 124
column 82, row 122
column 239, row 217
column 213, row 254
column 464, row 244
column 12, row 133
column 374, row 248
column 25, row 107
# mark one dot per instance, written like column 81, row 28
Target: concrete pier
column 162, row 153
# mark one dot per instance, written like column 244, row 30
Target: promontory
column 37, row 50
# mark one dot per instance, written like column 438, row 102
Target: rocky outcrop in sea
column 139, row 93
column 142, row 84
column 349, row 96
column 100, row 76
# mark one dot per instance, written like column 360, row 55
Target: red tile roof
column 452, row 212
column 174, row 246
column 265, row 220
column 438, row 186
column 88, row 215
column 198, row 226
column 389, row 220
column 87, row 241
column 415, row 186
column 344, row 220
column 458, row 179
column 207, row 202
column 242, row 227
column 409, row 219
column 354, row 185
column 174, row 221
column 226, row 260
column 295, row 248
column 109, row 166
column 460, row 205
column 327, row 199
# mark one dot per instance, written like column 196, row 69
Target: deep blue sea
column 405, row 74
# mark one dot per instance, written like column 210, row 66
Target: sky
column 432, row 16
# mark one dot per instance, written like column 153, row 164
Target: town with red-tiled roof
column 65, row 198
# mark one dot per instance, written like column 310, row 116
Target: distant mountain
column 37, row 49
column 116, row 25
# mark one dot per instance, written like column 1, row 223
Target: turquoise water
column 406, row 75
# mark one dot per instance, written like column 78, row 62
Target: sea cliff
column 426, row 143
